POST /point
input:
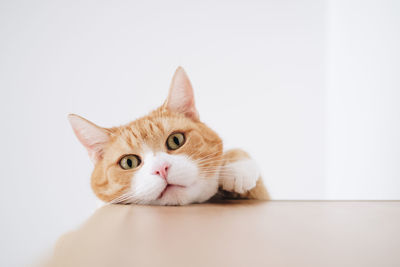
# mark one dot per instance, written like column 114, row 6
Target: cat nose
column 162, row 170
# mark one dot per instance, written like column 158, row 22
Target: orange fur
column 109, row 180
column 149, row 133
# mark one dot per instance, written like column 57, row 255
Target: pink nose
column 162, row 170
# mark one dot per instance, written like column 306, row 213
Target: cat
column 168, row 157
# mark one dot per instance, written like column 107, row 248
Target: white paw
column 239, row 176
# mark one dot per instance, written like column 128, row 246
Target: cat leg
column 240, row 177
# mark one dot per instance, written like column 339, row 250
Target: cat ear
column 181, row 98
column 91, row 136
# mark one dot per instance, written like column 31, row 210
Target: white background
column 310, row 88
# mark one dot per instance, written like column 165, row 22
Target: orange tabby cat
column 168, row 157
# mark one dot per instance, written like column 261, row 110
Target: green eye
column 175, row 141
column 129, row 162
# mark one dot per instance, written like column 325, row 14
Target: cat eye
column 175, row 141
column 129, row 162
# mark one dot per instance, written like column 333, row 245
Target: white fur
column 147, row 187
column 239, row 176
column 194, row 186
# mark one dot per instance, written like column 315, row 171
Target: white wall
column 363, row 100
column 309, row 88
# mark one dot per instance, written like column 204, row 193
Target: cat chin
column 198, row 192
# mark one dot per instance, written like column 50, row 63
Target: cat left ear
column 181, row 97
column 91, row 136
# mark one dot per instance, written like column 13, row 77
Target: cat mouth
column 169, row 187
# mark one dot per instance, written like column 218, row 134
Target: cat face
column 168, row 157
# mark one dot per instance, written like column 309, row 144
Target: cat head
column 168, row 157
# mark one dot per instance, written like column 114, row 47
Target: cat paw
column 239, row 176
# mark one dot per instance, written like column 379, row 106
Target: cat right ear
column 181, row 97
column 91, row 136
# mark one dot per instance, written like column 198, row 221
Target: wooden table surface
column 237, row 233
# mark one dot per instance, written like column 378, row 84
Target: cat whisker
column 208, row 156
column 214, row 159
column 215, row 154
column 127, row 195
column 119, row 199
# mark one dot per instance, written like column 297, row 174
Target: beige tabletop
column 237, row 233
